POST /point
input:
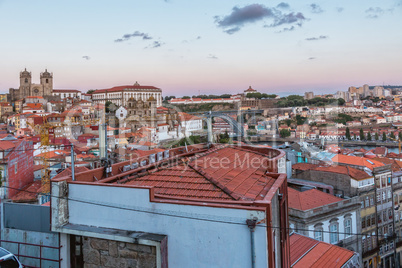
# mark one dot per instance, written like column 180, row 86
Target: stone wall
column 108, row 253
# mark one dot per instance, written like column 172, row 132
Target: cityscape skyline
column 206, row 47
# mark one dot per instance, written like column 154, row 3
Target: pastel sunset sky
column 208, row 47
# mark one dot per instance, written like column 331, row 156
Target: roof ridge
column 215, row 183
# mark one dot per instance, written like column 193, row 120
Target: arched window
column 318, row 232
column 47, row 80
column 334, row 231
column 26, row 80
column 348, row 226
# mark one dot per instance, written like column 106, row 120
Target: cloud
column 316, row 8
column 211, row 56
column 317, row 38
column 233, row 22
column 86, row 57
column 283, row 5
column 287, row 29
column 232, row 30
column 290, row 18
column 127, row 37
column 155, row 44
column 374, row 12
column 339, row 9
column 311, row 58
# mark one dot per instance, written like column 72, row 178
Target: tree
column 284, row 133
column 347, row 134
column 90, row 91
column 288, row 122
column 186, row 97
column 341, row 101
column 362, row 135
column 108, row 106
column 300, row 119
column 369, row 136
column 376, row 137
column 392, row 135
column 384, row 137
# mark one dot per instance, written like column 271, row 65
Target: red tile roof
column 66, row 91
column 203, row 178
column 181, row 181
column 121, row 88
column 309, row 199
column 67, row 172
column 187, row 117
column 28, row 193
column 307, row 252
column 356, row 161
column 236, row 172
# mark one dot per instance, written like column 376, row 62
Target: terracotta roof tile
column 28, row 193
column 309, row 199
column 308, row 252
column 356, row 161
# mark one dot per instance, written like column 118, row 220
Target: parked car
column 8, row 260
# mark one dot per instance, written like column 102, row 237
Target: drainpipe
column 72, row 162
column 251, row 225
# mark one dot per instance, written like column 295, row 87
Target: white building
column 121, row 94
column 182, row 215
column 67, row 93
column 190, row 123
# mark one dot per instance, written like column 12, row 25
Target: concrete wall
column 220, row 239
column 18, row 225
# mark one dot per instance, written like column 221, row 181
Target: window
column 367, row 203
column 363, row 222
column 318, row 233
column 372, row 200
column 373, row 219
column 368, row 220
column 348, row 226
column 334, row 235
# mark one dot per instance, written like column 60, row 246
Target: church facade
column 29, row 89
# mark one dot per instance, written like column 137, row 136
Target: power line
column 201, row 219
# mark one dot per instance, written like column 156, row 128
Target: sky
column 207, row 47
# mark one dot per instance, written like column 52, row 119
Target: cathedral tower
column 46, row 80
column 25, row 83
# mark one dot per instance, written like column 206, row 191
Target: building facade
column 120, row 95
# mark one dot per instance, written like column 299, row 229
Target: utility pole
column 72, row 162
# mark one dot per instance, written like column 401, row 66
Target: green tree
column 108, row 106
column 186, row 97
column 341, row 101
column 384, row 137
column 362, row 137
column 376, row 137
column 392, row 135
column 300, row 119
column 284, row 133
column 90, row 91
column 369, row 136
column 347, row 134
column 288, row 122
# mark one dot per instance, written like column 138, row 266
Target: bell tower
column 25, row 83
column 46, row 80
